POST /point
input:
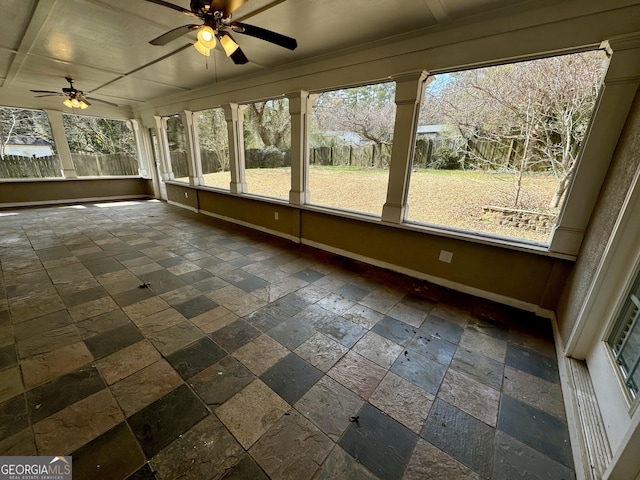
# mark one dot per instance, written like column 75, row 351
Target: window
column 496, row 147
column 178, row 149
column 213, row 137
column 625, row 339
column 350, row 147
column 27, row 149
column 101, row 146
column 267, row 148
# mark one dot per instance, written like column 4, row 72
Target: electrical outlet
column 275, row 215
column 445, row 256
column 186, row 194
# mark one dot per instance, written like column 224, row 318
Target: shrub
column 267, row 157
column 445, row 159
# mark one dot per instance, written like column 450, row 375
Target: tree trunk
column 563, row 184
column 6, row 140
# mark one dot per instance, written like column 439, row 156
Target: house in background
column 433, row 132
column 26, row 146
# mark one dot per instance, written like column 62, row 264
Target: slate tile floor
column 249, row 357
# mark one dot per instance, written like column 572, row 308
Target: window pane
column 496, row 147
column 625, row 338
column 26, row 145
column 214, row 148
column 351, row 139
column 101, row 146
column 267, row 148
column 178, row 149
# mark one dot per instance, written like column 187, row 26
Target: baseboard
column 182, row 205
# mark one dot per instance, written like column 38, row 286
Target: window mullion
column 629, row 376
column 632, row 323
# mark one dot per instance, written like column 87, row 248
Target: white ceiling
column 103, row 44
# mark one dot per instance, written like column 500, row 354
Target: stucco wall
column 623, row 167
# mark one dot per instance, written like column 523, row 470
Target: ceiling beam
column 438, row 11
column 39, row 17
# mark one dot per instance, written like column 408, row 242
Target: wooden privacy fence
column 351, row 156
column 17, row 166
column 105, row 164
column 211, row 161
column 179, row 164
column 253, row 158
column 362, row 156
column 455, row 152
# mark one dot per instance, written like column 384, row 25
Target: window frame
column 54, row 148
column 307, row 166
column 136, row 143
column 566, row 237
column 242, row 108
column 169, row 161
column 554, row 246
column 617, row 331
column 196, row 127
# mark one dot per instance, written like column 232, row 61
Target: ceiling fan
column 75, row 98
column 216, row 15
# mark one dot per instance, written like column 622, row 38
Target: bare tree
column 95, row 135
column 523, row 117
column 268, row 124
column 368, row 112
column 213, row 135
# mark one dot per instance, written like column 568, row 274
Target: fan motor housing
column 200, row 7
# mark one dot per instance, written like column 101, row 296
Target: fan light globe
column 206, row 37
column 202, row 49
column 67, row 103
column 228, row 44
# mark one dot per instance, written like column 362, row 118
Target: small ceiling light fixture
column 73, row 102
column 206, row 41
column 229, row 45
column 74, row 98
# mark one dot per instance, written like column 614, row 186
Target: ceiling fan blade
column 99, row 101
column 48, row 95
column 45, row 91
column 264, row 34
column 226, row 6
column 239, row 57
column 173, row 34
column 175, row 7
